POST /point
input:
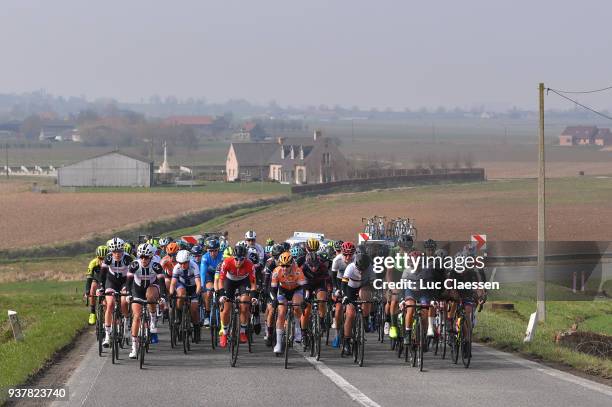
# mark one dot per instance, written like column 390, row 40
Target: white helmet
column 115, row 244
column 250, row 234
column 145, row 249
column 183, row 256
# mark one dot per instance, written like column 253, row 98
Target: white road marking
column 591, row 385
column 352, row 391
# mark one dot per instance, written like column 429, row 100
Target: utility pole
column 541, row 279
column 7, row 162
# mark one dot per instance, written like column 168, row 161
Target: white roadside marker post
column 15, row 325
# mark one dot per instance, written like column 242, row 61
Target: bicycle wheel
column 214, row 327
column 466, row 344
column 171, row 326
column 235, row 337
column 356, row 331
column 454, row 342
column 361, row 341
column 416, row 336
column 317, row 337
column 288, row 334
column 142, row 341
column 113, row 341
column 422, row 342
column 100, row 332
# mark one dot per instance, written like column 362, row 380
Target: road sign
column 192, row 239
column 364, row 237
column 480, row 241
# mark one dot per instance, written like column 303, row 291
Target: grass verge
column 505, row 330
column 51, row 314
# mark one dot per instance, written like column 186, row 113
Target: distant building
column 603, row 137
column 57, row 131
column 296, row 160
column 249, row 161
column 578, row 135
column 113, row 169
column 251, row 132
column 209, row 126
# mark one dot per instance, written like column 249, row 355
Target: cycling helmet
column 250, row 235
column 253, row 256
column 312, row 245
column 228, row 252
column 430, row 244
column 172, row 248
column 297, row 252
column 285, row 259
column 145, row 249
column 223, row 244
column 348, row 248
column 363, row 261
column 276, row 251
column 338, row 245
column 240, row 251
column 286, row 246
column 405, row 242
column 269, row 242
column 163, row 241
column 197, row 250
column 183, row 245
column 127, row 247
column 323, row 255
column 183, row 256
column 330, row 244
column 101, row 251
column 115, row 244
column 312, row 259
column 213, row 244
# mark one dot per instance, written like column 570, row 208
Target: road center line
column 352, row 391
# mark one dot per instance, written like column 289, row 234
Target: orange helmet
column 172, row 248
column 285, row 259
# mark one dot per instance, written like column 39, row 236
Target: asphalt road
column 204, row 377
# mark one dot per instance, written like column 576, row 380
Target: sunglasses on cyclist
column 145, row 257
column 238, row 258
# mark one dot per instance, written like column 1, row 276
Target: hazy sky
column 366, row 53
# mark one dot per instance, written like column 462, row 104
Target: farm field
column 39, row 219
column 577, row 209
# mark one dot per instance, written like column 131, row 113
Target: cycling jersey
column 186, row 278
column 288, row 278
column 93, row 268
column 140, row 278
column 260, row 251
column 231, row 272
column 168, row 263
column 208, row 266
column 314, row 276
column 117, row 268
column 357, row 278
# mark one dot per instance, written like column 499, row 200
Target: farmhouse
column 296, row 160
column 250, row 131
column 202, row 125
column 584, row 136
column 113, row 169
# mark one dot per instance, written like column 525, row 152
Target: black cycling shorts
column 230, row 287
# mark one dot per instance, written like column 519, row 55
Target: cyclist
column 163, row 242
column 258, row 267
column 113, row 272
column 236, row 274
column 269, row 267
column 129, row 248
column 394, row 275
column 169, row 262
column 356, row 283
column 318, row 284
column 421, row 276
column 341, row 261
column 186, row 283
column 250, row 237
column 287, row 285
column 91, row 282
column 208, row 267
column 196, row 254
column 268, row 248
column 144, row 280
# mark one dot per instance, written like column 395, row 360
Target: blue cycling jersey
column 208, row 266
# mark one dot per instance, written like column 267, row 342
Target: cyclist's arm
column 203, row 268
column 274, row 285
column 161, row 281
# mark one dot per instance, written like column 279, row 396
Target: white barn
column 113, row 169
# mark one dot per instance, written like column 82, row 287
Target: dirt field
column 577, row 209
column 29, row 218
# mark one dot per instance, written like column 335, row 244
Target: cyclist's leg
column 322, row 296
column 280, row 320
column 298, row 298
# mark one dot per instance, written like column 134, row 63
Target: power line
column 580, row 104
column 583, row 91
